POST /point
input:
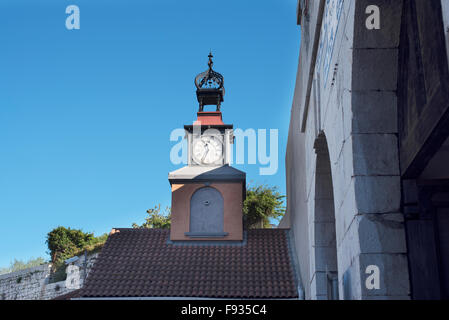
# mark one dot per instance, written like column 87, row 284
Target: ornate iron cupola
column 210, row 89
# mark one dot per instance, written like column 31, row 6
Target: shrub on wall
column 156, row 219
column 64, row 243
column 262, row 203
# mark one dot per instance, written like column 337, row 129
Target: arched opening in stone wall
column 325, row 278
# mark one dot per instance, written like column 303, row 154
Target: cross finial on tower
column 209, row 84
column 210, row 63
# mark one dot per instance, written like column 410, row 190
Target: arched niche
column 206, row 213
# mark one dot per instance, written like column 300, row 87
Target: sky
column 86, row 115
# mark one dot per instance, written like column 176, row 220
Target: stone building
column 367, row 153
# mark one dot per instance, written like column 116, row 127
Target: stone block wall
column 33, row 283
column 24, row 284
column 353, row 105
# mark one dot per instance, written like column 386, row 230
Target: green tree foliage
column 64, row 243
column 20, row 265
column 262, row 203
column 156, row 219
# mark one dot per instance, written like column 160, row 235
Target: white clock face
column 208, row 150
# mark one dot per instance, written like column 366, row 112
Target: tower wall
column 232, row 194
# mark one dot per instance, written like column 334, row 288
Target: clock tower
column 208, row 194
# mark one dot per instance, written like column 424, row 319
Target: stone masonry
column 33, row 283
column 342, row 163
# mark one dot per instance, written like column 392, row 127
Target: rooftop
column 144, row 263
column 205, row 173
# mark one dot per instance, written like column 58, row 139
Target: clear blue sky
column 85, row 115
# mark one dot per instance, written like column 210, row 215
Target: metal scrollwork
column 210, row 87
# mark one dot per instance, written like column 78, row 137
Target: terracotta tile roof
column 143, row 263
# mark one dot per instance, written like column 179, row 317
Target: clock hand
column 205, row 154
column 202, row 160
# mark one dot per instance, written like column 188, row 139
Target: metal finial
column 210, row 63
column 209, row 85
